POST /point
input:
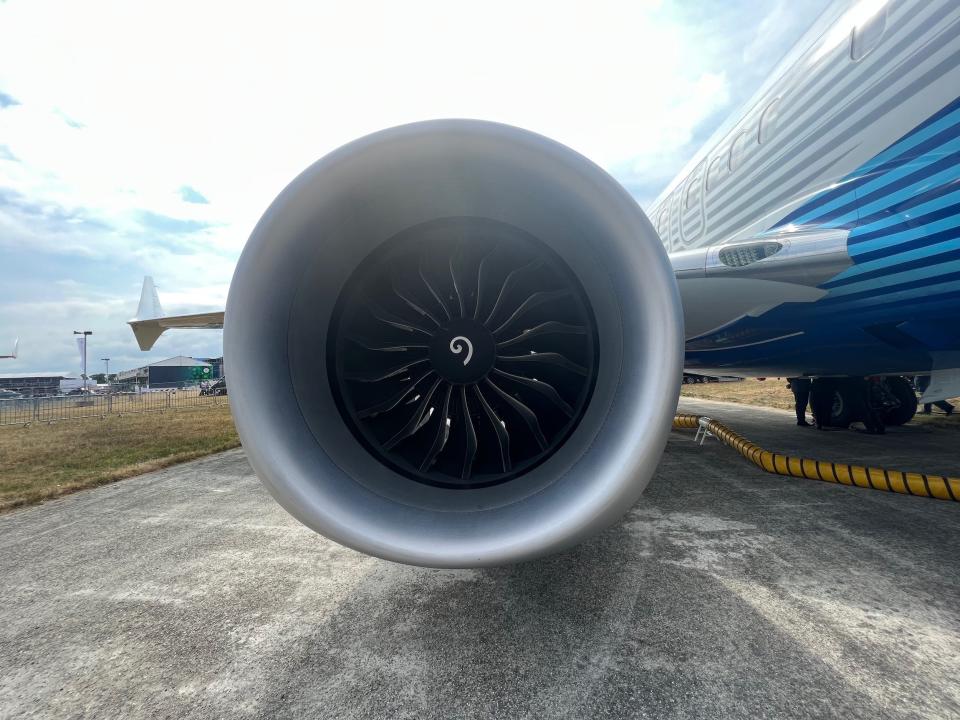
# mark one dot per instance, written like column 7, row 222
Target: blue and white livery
column 818, row 233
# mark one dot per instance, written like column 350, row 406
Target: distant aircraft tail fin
column 145, row 331
column 149, row 306
column 13, row 355
column 150, row 321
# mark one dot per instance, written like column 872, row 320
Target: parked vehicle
column 217, row 388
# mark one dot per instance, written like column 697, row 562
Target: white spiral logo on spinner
column 456, row 348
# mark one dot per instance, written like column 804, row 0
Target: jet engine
column 454, row 344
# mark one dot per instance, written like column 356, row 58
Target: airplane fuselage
column 858, row 133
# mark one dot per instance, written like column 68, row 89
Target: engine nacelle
column 454, row 344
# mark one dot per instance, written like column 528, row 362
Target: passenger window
column 867, row 34
column 768, row 121
column 713, row 173
column 739, row 149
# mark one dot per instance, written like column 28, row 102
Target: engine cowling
column 454, row 344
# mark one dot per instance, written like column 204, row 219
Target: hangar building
column 178, row 370
column 31, row 384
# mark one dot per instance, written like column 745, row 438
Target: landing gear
column 837, row 402
column 832, row 402
column 906, row 397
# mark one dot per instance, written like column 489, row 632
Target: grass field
column 43, row 461
column 774, row 393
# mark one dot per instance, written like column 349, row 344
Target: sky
column 148, row 138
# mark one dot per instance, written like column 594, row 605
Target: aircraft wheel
column 901, row 389
column 832, row 398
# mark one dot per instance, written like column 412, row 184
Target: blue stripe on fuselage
column 936, row 131
column 903, row 208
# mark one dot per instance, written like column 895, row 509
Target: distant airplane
column 13, row 355
column 150, row 321
column 457, row 343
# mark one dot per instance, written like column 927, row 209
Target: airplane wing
column 150, row 321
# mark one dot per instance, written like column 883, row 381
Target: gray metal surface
column 726, row 592
column 328, row 220
column 805, row 257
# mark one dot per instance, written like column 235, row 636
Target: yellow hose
column 907, row 483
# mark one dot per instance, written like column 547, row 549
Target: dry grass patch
column 766, row 393
column 44, row 461
column 774, row 393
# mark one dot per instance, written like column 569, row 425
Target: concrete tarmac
column 726, row 592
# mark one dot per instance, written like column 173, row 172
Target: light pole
column 106, row 369
column 84, row 334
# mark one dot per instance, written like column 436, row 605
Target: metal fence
column 25, row 411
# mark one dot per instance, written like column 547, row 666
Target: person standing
column 801, row 398
column 872, row 404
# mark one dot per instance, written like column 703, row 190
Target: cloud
column 188, row 194
column 27, row 223
column 166, row 224
column 692, row 120
column 110, row 153
column 69, row 121
column 7, row 101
